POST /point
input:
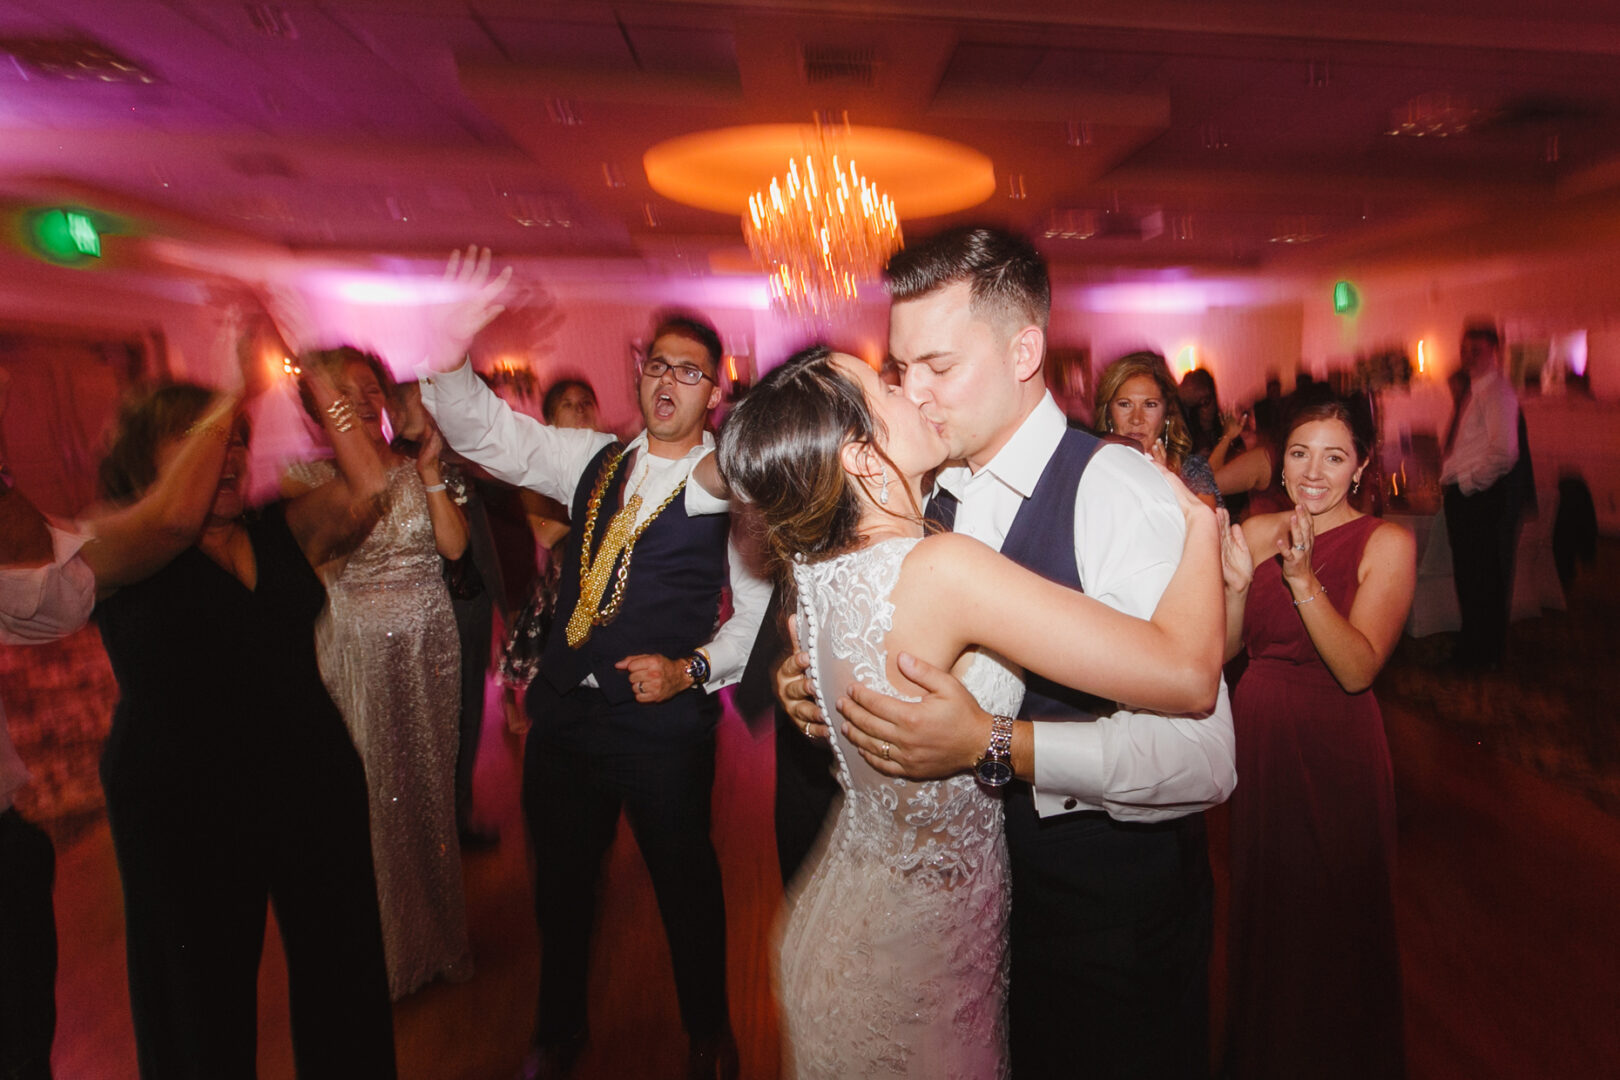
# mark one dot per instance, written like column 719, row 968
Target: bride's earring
column 883, row 491
column 1355, row 486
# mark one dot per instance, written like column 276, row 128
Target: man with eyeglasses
column 624, row 707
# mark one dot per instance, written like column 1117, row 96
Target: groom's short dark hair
column 1007, row 274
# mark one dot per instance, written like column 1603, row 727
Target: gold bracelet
column 341, row 412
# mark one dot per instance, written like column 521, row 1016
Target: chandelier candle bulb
column 820, row 241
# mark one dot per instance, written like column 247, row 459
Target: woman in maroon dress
column 1315, row 986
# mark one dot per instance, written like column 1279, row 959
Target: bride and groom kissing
column 955, row 923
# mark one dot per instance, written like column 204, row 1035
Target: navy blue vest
column 671, row 598
column 1042, row 539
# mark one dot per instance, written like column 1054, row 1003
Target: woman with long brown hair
column 893, row 954
column 391, row 658
column 1315, row 987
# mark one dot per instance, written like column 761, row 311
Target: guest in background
column 1315, row 986
column 1201, row 406
column 1137, row 398
column 230, row 779
column 389, row 654
column 1482, row 499
column 46, row 592
column 1251, row 481
column 474, row 581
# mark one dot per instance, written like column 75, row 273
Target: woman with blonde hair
column 390, row 657
column 1138, row 399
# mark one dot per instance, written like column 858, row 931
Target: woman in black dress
column 230, row 778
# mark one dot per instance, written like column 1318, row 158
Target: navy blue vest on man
column 671, row 602
column 1111, row 914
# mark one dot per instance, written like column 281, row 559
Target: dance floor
column 1507, row 902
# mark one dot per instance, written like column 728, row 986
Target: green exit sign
column 1345, row 299
column 66, row 235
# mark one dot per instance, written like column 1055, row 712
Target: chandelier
column 821, row 230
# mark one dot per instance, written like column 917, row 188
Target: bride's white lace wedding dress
column 894, row 952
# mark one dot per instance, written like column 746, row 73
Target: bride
column 893, row 956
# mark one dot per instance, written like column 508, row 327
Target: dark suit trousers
column 27, row 949
column 475, row 627
column 587, row 760
column 1483, row 530
column 805, row 789
column 1111, row 927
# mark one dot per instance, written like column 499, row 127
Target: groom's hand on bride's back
column 943, row 734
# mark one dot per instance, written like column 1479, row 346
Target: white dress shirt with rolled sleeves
column 522, row 451
column 1128, row 535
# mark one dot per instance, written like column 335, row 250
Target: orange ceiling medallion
column 831, row 220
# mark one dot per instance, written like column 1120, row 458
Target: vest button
column 1070, row 803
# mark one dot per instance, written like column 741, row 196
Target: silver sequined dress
column 390, row 657
column 893, row 956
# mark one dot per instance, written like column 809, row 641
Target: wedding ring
column 638, row 688
column 886, row 756
column 1299, row 547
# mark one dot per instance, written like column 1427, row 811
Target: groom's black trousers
column 1111, row 927
column 587, row 760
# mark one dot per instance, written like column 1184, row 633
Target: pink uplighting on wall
column 359, row 287
column 1574, row 350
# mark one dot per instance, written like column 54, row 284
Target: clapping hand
column 476, row 308
column 1294, row 547
column 1237, row 564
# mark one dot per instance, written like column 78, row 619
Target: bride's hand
column 475, row 309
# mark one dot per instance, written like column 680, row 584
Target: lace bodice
column 917, row 828
column 894, row 955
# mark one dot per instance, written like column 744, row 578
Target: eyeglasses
column 655, row 367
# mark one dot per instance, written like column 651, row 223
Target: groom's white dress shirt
column 1128, row 536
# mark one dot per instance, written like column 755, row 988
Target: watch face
column 994, row 772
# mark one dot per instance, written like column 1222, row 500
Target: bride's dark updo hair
column 781, row 450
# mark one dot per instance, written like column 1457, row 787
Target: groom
column 1111, row 912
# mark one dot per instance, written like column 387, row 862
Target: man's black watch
column 995, row 769
column 697, row 668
